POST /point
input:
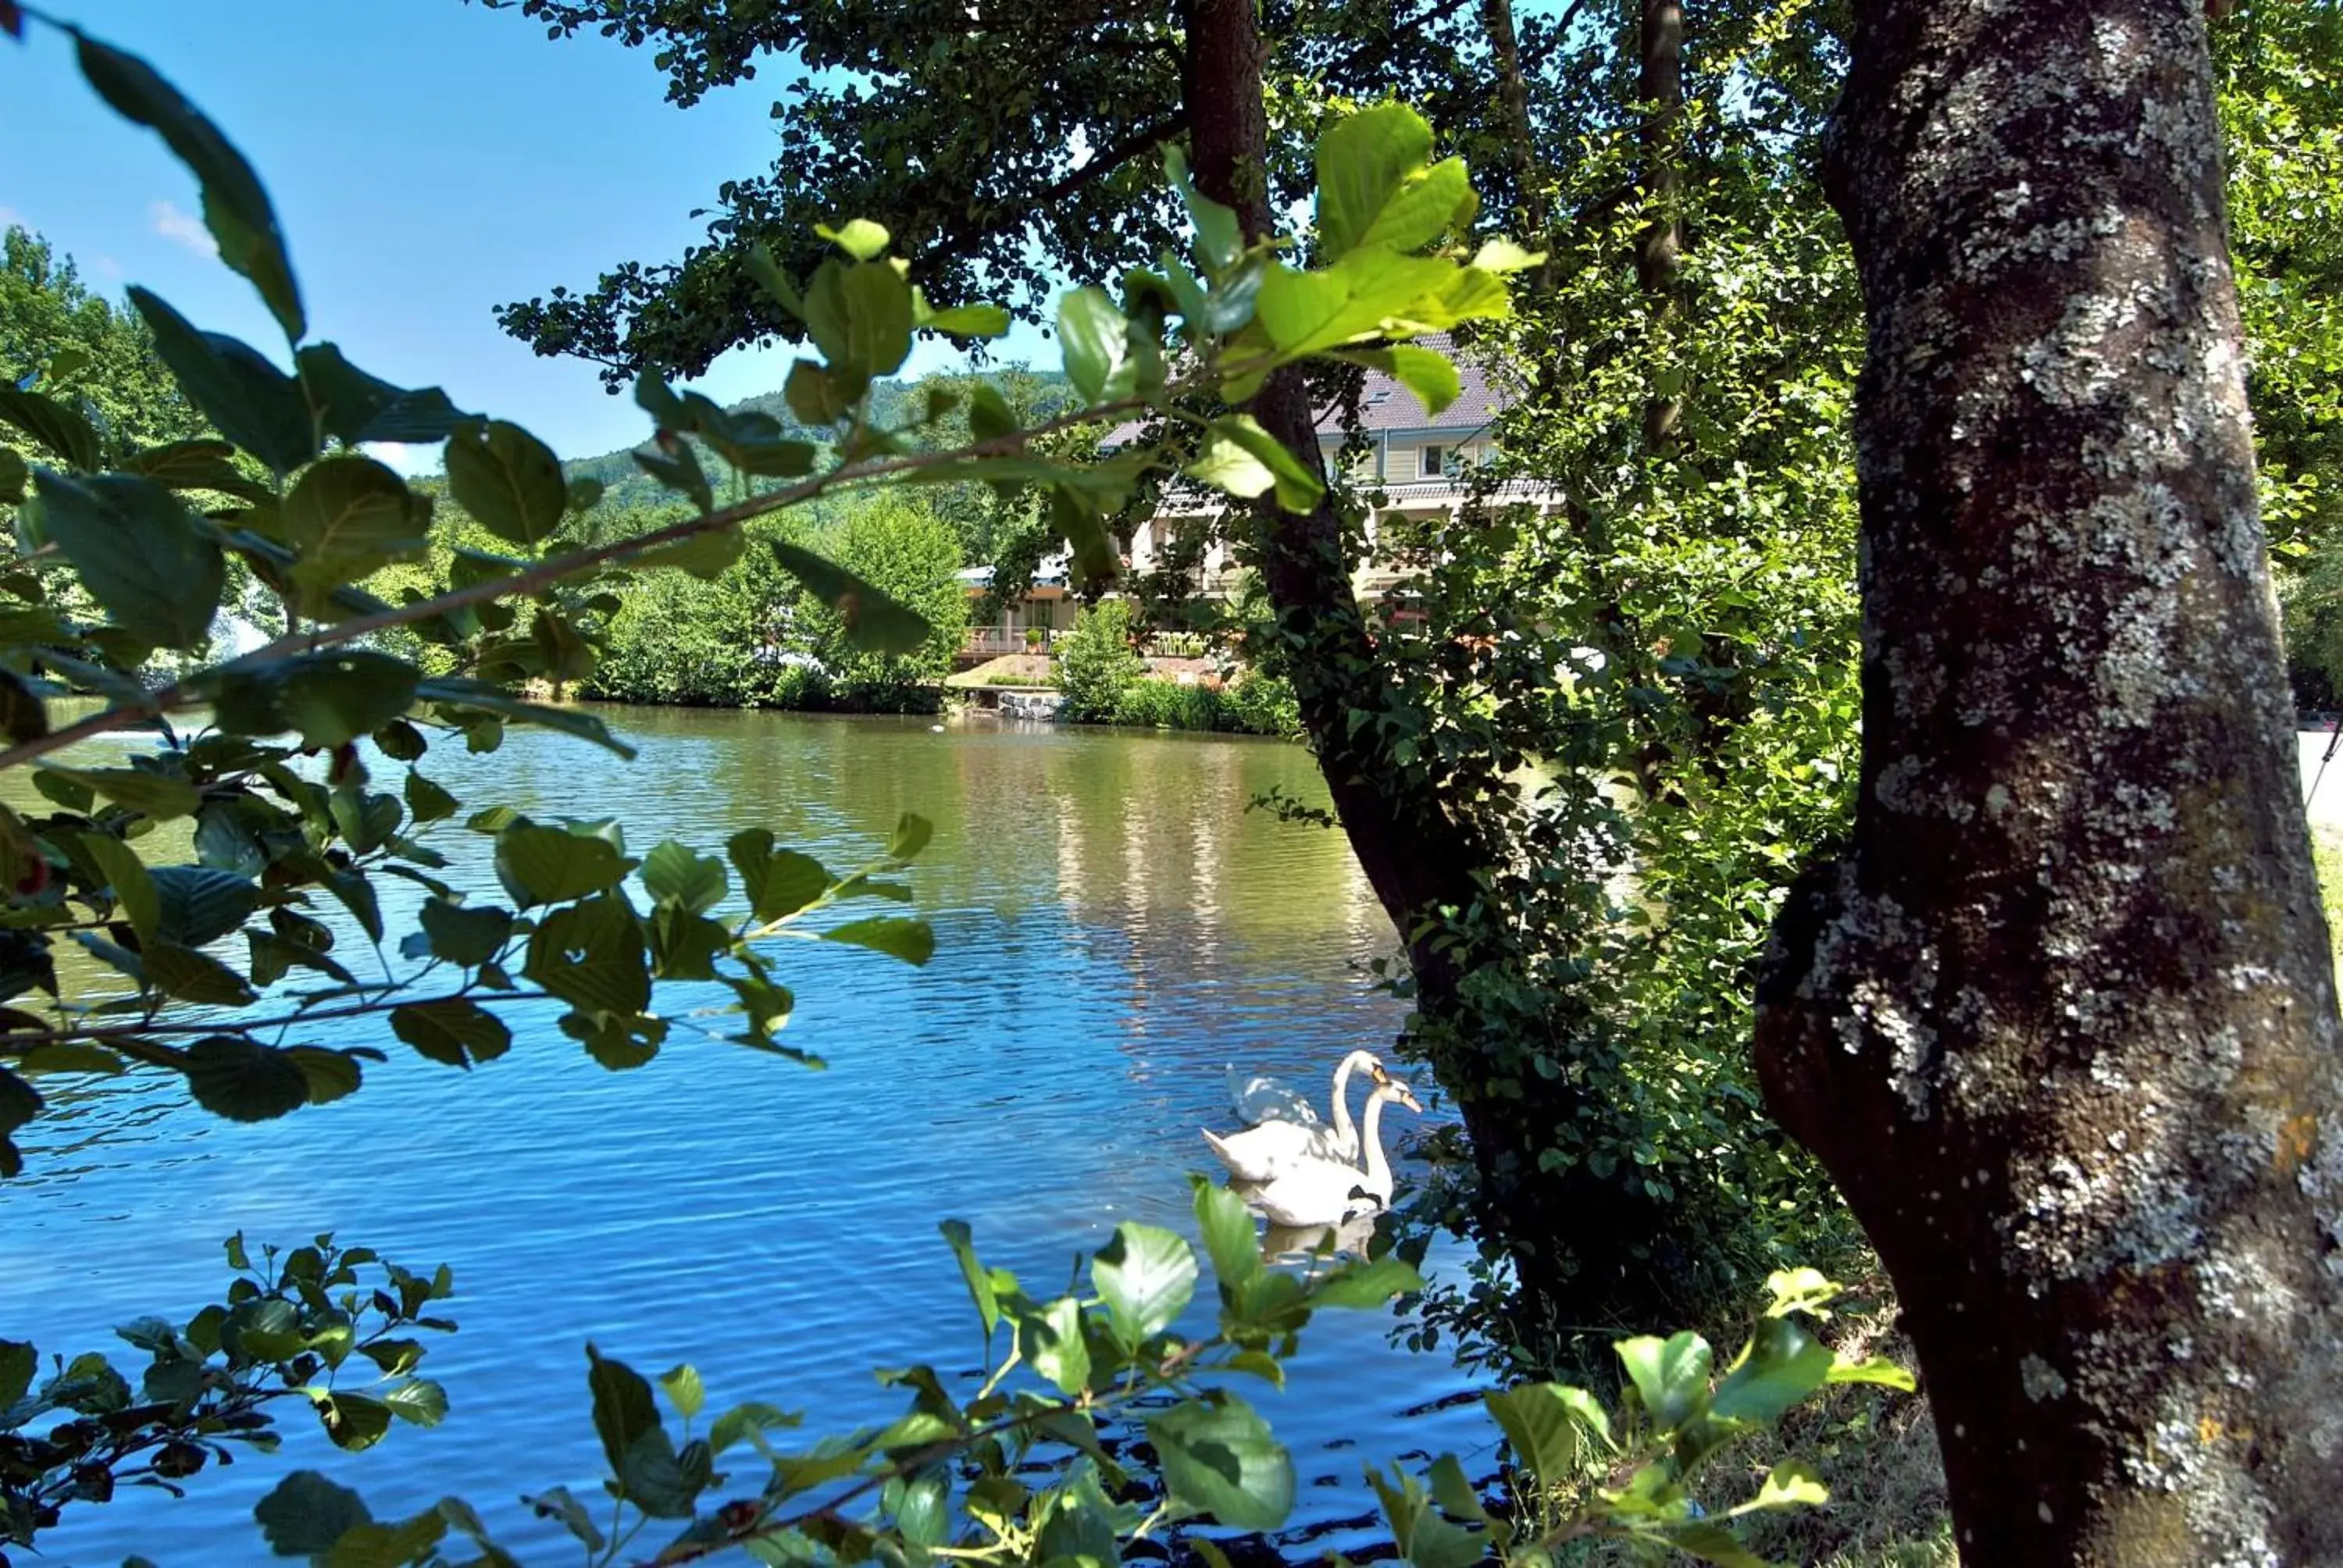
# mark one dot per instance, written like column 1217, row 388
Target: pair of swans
column 1299, row 1170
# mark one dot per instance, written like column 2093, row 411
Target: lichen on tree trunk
column 2061, row 1022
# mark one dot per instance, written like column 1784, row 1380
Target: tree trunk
column 1578, row 1245
column 1414, row 856
column 1659, row 254
column 2062, row 1023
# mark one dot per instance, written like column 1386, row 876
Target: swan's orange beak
column 1393, row 1089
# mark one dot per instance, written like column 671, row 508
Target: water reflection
column 1114, row 928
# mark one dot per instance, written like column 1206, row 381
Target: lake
column 1114, row 928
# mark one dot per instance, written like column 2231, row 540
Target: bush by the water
column 1105, row 681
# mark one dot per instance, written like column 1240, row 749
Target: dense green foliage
column 53, row 329
column 753, row 638
column 1670, row 650
column 2281, row 73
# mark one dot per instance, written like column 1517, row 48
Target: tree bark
column 1659, row 254
column 2062, row 1022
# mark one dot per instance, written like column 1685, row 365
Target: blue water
column 1113, row 929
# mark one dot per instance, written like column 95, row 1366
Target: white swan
column 1285, row 1131
column 1328, row 1191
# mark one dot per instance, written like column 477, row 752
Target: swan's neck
column 1379, row 1171
column 1345, row 1129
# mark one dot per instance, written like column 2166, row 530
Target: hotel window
column 1435, row 461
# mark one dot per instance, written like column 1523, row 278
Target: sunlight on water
column 1113, row 929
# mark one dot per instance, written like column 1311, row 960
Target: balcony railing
column 992, row 641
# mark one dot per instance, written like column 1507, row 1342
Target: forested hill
column 1035, row 394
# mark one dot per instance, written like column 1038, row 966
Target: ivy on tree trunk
column 2061, row 1022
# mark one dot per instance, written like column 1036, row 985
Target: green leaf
column 1672, row 1374
column 69, row 1056
column 236, row 206
column 685, row 946
column 507, row 479
column 246, row 398
column 962, row 320
column 1244, row 459
column 133, row 886
column 1229, row 1236
column 1431, row 375
column 1543, row 1423
column 860, row 318
column 913, row 941
column 912, row 834
column 458, row 690
column 1367, row 1284
column 199, row 905
column 348, row 517
column 418, row 1401
column 1877, row 1370
column 591, row 955
column 1222, row 1460
column 456, row 1030
column 331, row 1074
column 979, row 1282
column 706, row 554
column 467, row 935
column 244, row 1081
column 306, row 1513
column 1793, row 1484
column 355, row 406
column 353, row 1422
column 759, row 265
column 18, row 1361
column 1051, row 1343
column 59, row 427
column 381, row 1545
column 1782, row 1365
column 1146, row 1277
column 1425, row 1539
column 1711, row 1543
column 1375, row 189
column 624, row 1409
column 196, row 465
column 874, row 622
column 137, row 551
column 778, row 882
column 426, row 801
column 1095, row 338
column 743, row 1420
column 673, row 874
column 186, row 975
column 1219, row 239
column 557, row 1504
column 857, row 238
column 684, row 1390
column 150, row 794
column 990, row 417
column 541, row 865
column 19, row 1103
column 330, row 698
column 14, row 476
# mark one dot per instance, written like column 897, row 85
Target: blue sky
column 428, row 159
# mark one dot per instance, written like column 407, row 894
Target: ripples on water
column 1113, row 928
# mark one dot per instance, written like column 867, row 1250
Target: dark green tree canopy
column 998, row 147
